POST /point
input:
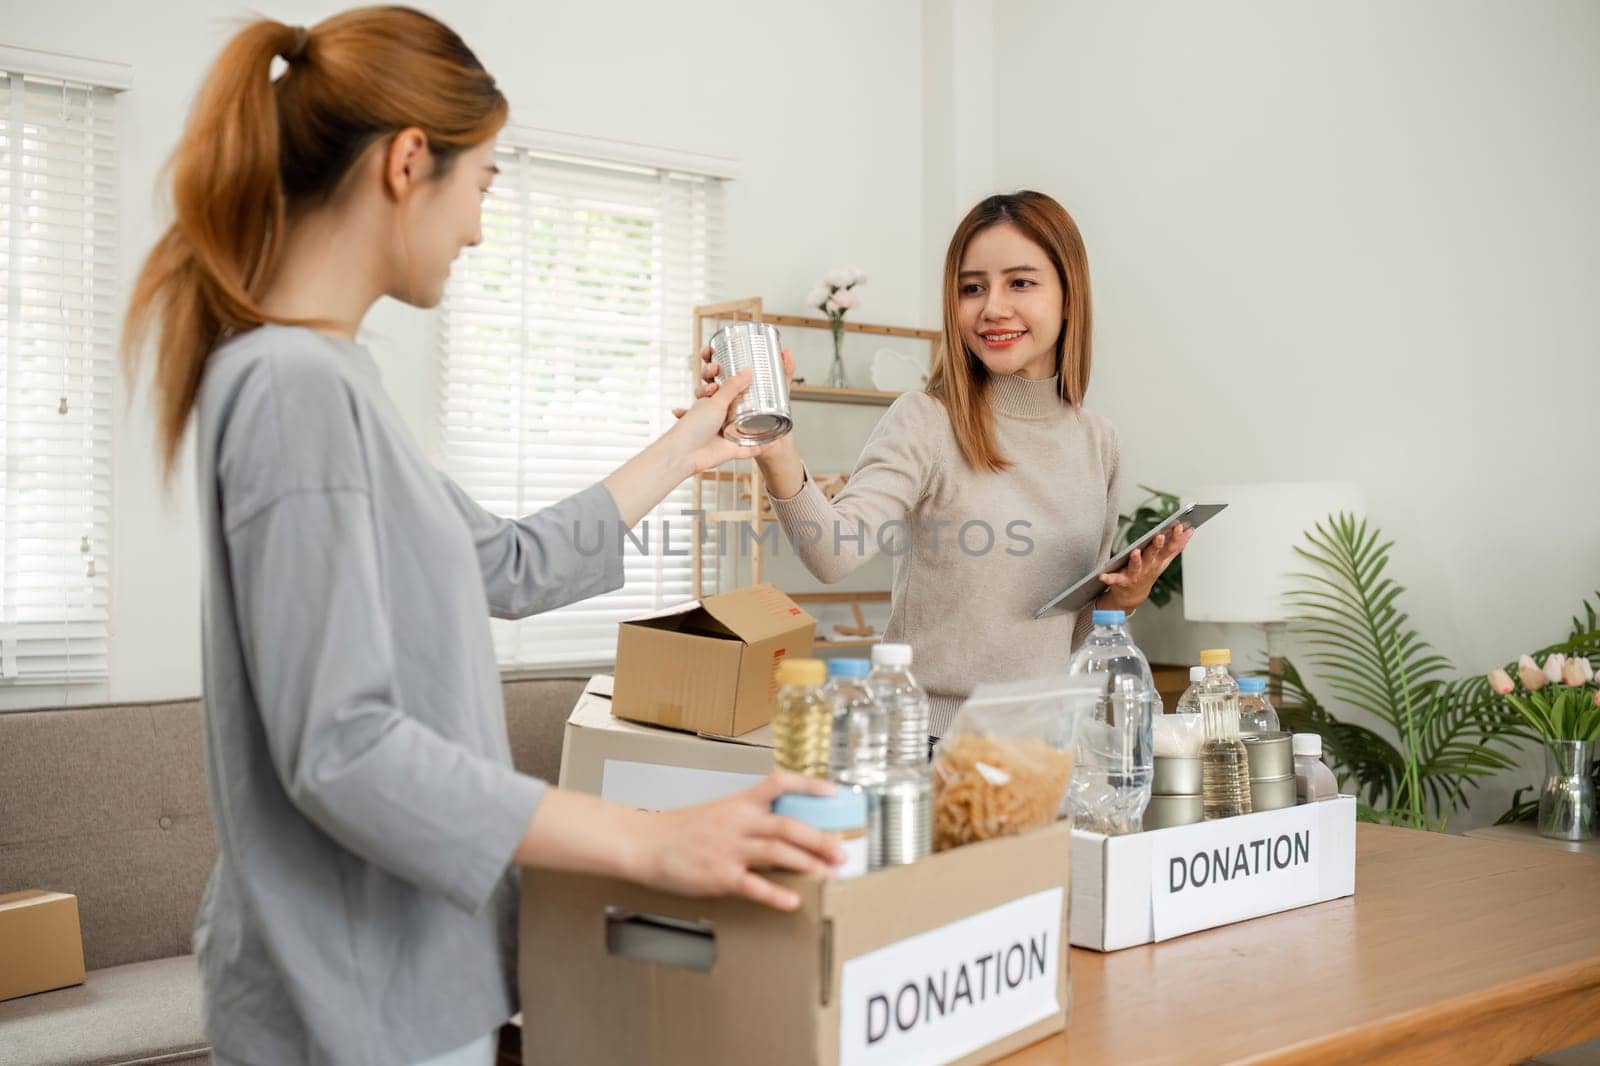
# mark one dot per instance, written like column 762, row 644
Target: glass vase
column 836, row 368
column 1566, row 804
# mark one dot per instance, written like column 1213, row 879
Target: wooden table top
column 1452, row 949
column 1527, row 833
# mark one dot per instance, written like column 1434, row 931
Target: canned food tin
column 1167, row 811
column 761, row 413
column 1272, row 793
column 1270, row 755
column 1176, row 775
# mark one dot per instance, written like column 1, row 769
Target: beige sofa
column 109, row 803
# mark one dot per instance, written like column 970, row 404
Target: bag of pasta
column 1004, row 766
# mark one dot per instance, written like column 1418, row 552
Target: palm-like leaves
column 1449, row 735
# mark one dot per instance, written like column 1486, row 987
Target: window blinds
column 58, row 321
column 566, row 340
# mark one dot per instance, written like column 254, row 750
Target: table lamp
column 1237, row 568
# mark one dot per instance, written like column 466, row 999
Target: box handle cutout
column 660, row 939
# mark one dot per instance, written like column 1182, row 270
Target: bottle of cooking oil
column 1224, row 765
column 802, row 728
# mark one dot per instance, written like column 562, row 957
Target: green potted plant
column 1438, row 737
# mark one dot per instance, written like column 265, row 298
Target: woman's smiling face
column 1011, row 305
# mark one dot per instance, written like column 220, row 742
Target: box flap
column 757, row 613
column 689, row 617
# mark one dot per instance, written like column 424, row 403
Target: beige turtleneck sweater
column 975, row 553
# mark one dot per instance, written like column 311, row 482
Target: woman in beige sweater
column 994, row 487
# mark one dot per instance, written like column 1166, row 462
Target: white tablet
column 1088, row 589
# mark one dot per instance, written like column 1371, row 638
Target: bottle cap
column 1307, row 744
column 802, row 672
column 1109, row 618
column 1216, row 657
column 1253, row 685
column 848, row 668
column 1196, row 674
column 845, row 809
column 891, row 655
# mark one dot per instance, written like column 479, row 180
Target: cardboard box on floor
column 961, row 957
column 649, row 767
column 709, row 666
column 41, row 946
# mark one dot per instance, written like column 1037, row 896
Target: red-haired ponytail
column 256, row 148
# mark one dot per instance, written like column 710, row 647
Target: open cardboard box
column 1148, row 887
column 710, row 666
column 961, row 957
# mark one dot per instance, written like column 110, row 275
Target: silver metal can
column 907, row 816
column 1272, row 793
column 1166, row 811
column 761, row 414
column 1270, row 755
column 1176, row 775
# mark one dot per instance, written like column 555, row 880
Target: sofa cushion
column 536, row 721
column 144, row 1012
column 109, row 803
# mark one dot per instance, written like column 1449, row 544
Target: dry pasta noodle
column 987, row 787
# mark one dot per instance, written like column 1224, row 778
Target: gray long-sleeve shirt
column 362, row 906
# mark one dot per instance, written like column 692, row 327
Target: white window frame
column 58, row 240
column 584, row 634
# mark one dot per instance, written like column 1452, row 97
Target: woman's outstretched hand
column 715, row 849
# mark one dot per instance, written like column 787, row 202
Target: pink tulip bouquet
column 1559, row 699
column 833, row 296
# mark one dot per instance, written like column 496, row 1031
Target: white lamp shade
column 1237, row 567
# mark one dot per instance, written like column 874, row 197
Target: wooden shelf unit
column 823, row 394
column 748, row 483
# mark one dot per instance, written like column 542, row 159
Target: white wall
column 1346, row 241
column 819, row 104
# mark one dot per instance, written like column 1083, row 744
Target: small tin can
column 761, row 413
column 1176, row 775
column 907, row 816
column 1270, row 755
column 1272, row 793
column 1165, row 812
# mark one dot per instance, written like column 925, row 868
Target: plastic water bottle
column 1115, row 750
column 1189, row 702
column 892, row 685
column 1256, row 714
column 908, row 788
column 1182, row 732
column 847, row 690
column 860, row 744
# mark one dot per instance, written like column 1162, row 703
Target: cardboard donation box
column 41, row 947
column 649, row 767
column 1145, row 887
column 961, row 957
column 709, row 666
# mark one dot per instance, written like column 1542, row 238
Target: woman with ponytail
column 369, row 822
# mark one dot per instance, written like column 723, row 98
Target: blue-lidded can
column 842, row 815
